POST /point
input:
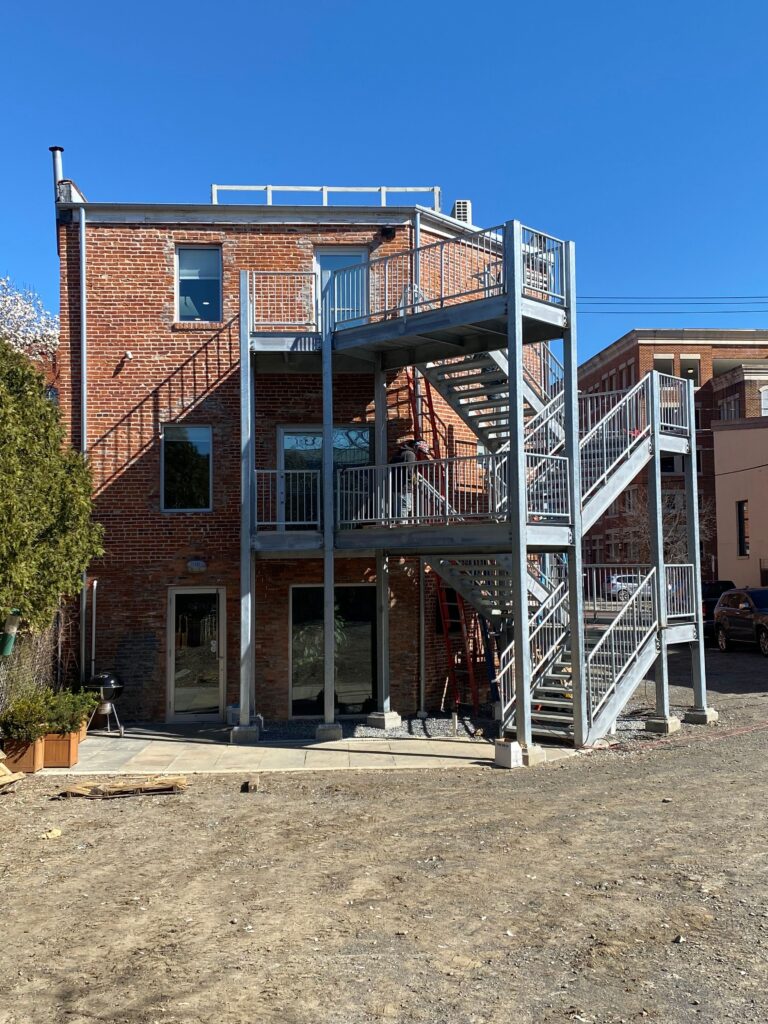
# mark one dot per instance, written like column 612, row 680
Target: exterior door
column 196, row 656
column 346, row 303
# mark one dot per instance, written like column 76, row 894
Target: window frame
column 177, row 281
column 185, row 511
column 742, row 528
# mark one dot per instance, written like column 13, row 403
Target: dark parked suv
column 742, row 615
column 710, row 595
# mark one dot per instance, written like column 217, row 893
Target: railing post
column 516, row 487
column 661, row 722
column 699, row 714
column 573, row 454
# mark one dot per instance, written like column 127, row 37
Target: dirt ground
column 624, row 885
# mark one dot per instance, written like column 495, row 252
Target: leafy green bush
column 67, row 711
column 47, row 536
column 26, row 717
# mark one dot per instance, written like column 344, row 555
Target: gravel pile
column 411, row 728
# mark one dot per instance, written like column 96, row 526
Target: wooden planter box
column 61, row 749
column 83, row 732
column 24, row 757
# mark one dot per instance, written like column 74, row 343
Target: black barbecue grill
column 108, row 687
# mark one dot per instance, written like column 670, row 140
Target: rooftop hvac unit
column 462, row 210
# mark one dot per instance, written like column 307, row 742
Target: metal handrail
column 674, row 413
column 619, row 647
column 543, row 266
column 546, row 487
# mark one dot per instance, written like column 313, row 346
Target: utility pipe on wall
column 83, row 408
column 94, row 585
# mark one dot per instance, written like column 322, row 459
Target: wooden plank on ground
column 157, row 786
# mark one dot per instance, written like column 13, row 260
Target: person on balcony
column 404, row 476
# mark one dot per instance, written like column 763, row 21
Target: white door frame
column 334, row 250
column 221, row 653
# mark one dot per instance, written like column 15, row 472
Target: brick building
column 729, row 370
column 243, row 378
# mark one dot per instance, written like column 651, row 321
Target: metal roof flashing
column 217, row 213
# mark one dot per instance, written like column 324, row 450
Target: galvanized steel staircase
column 613, row 450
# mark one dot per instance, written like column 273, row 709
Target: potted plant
column 23, row 725
column 85, row 702
column 66, row 715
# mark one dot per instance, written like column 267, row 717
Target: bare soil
column 626, row 885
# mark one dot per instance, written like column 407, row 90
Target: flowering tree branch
column 24, row 321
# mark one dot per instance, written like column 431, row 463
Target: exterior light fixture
column 197, row 565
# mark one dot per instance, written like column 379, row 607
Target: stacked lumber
column 158, row 786
column 7, row 777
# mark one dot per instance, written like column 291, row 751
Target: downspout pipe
column 83, row 411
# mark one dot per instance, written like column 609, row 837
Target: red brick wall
column 188, row 372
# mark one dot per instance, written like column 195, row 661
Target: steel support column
column 656, row 532
column 422, row 640
column 516, row 478
column 573, row 451
column 382, row 631
column 329, row 636
column 246, row 507
column 694, row 555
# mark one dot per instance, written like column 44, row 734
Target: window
column 742, row 527
column 690, row 369
column 764, row 402
column 664, row 364
column 199, row 283
column 729, row 408
column 186, row 469
column 697, row 416
column 667, row 464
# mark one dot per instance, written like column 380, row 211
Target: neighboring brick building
column 729, row 369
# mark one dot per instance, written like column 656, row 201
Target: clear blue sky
column 639, row 130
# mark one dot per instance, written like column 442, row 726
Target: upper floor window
column 199, row 283
column 730, row 408
column 764, row 402
column 742, row 528
column 186, row 469
column 690, row 369
column 664, row 364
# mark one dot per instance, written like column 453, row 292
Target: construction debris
column 158, row 786
column 8, row 779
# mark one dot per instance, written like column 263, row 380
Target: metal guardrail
column 324, row 191
column 283, row 301
column 614, row 438
column 547, row 487
column 620, row 645
column 543, row 266
column 543, row 370
column 428, row 277
column 608, row 586
column 287, row 499
column 448, row 272
column 681, row 591
column 545, row 432
column 438, row 491
column 673, row 405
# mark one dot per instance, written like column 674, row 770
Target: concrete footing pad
column 507, row 754
column 327, row 731
column 533, row 754
column 663, row 726
column 701, row 716
column 244, row 734
column 384, row 720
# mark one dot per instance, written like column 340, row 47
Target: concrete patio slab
column 152, row 752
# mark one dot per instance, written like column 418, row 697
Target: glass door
column 301, row 450
column 196, row 655
column 346, row 302
column 355, row 630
